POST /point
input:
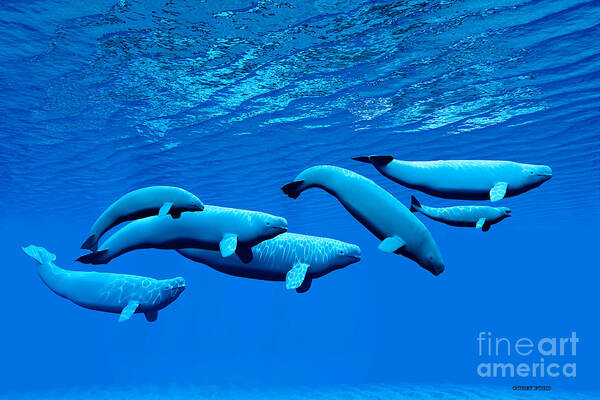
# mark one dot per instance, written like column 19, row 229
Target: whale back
column 104, row 291
column 461, row 178
column 376, row 209
column 272, row 259
column 323, row 255
column 203, row 230
column 141, row 203
column 369, row 203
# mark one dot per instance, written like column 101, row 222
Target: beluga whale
column 229, row 230
column 480, row 217
column 382, row 214
column 462, row 179
column 290, row 257
column 114, row 293
column 141, row 203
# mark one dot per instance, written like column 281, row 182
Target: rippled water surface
column 222, row 97
column 231, row 100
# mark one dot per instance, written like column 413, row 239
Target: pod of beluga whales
column 256, row 245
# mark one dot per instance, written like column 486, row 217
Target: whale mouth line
column 178, row 285
column 544, row 175
column 280, row 229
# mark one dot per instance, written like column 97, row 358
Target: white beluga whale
column 462, row 179
column 480, row 217
column 216, row 228
column 141, row 203
column 114, row 293
column 388, row 219
column 290, row 257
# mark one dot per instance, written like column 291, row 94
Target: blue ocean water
column 231, row 100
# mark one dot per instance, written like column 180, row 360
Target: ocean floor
column 371, row 392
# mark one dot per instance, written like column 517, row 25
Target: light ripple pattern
column 111, row 96
column 358, row 392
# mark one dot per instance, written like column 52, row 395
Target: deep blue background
column 231, row 101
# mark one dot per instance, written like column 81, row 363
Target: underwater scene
column 299, row 199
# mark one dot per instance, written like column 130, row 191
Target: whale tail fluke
column 291, row 189
column 415, row 205
column 90, row 243
column 40, row 254
column 375, row 160
column 93, row 258
column 381, row 160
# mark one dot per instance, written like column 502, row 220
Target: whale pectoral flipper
column 228, row 244
column 151, row 316
column 296, row 275
column 480, row 223
column 164, row 210
column 305, row 285
column 244, row 253
column 391, row 244
column 128, row 310
column 498, row 191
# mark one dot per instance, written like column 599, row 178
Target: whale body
column 114, row 293
column 216, row 228
column 462, row 179
column 142, row 203
column 381, row 213
column 480, row 217
column 284, row 258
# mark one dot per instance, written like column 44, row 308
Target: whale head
column 429, row 256
column 275, row 225
column 195, row 204
column 505, row 212
column 535, row 175
column 267, row 226
column 346, row 254
column 172, row 288
column 181, row 200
